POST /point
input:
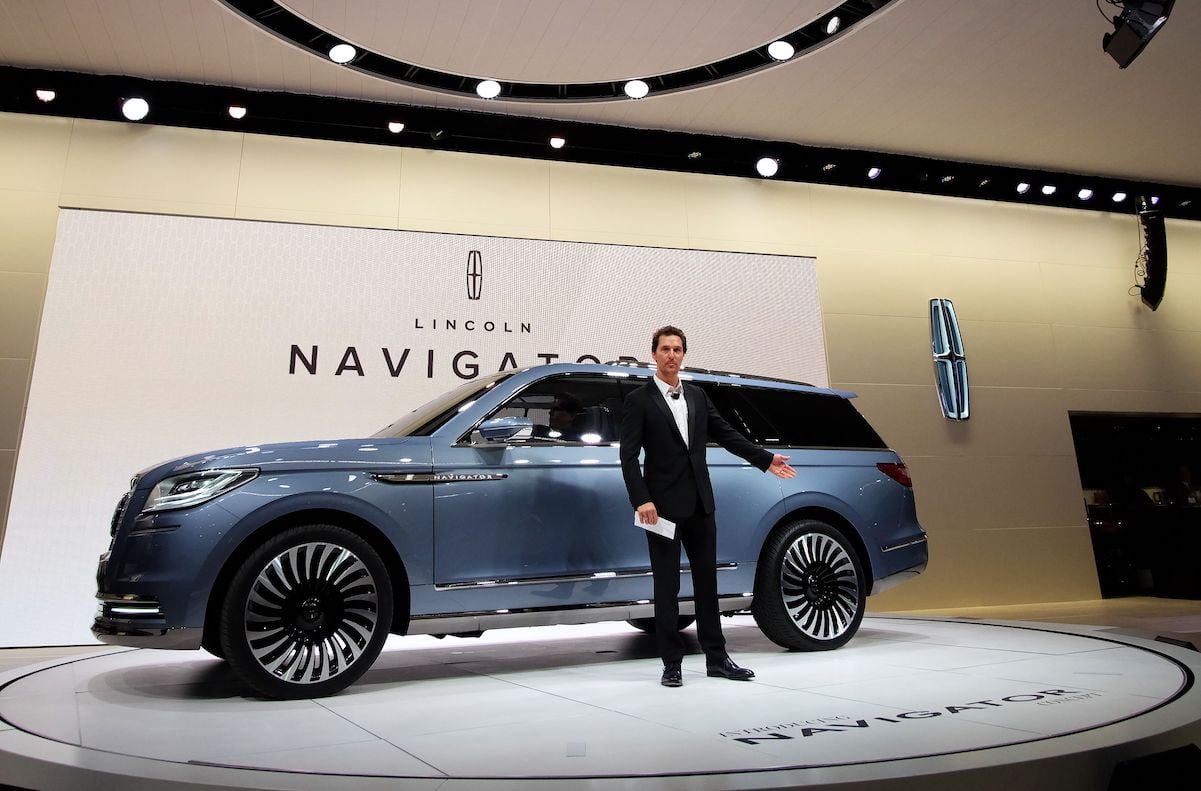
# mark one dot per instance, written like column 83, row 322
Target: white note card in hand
column 664, row 527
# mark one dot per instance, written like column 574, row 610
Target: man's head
column 668, row 348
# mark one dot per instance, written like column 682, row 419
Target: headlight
column 194, row 488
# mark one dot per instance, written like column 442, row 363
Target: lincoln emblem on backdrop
column 475, row 274
column 950, row 363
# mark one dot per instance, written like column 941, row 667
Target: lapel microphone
column 674, row 392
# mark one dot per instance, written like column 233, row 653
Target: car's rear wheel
column 810, row 590
column 648, row 624
column 306, row 613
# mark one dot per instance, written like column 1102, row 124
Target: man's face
column 669, row 356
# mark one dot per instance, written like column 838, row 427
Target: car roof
column 644, row 370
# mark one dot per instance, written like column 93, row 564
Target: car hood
column 307, row 455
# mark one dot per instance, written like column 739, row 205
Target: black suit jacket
column 674, row 475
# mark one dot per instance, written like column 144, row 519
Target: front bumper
column 138, row 621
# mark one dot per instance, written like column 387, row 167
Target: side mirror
column 503, row 429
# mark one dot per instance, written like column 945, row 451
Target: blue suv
column 500, row 503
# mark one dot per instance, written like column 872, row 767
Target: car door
column 541, row 520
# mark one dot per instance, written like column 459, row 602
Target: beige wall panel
column 900, row 222
column 956, row 493
column 1108, row 358
column 33, row 152
column 1131, row 401
column 1002, row 354
column 1081, row 238
column 319, row 181
column 1180, row 307
column 21, row 297
column 468, row 193
column 1184, row 235
column 28, row 221
column 873, row 281
column 908, row 418
column 152, row 168
column 1006, row 421
column 618, row 202
column 14, row 382
column 892, row 349
column 989, row 289
column 1096, row 297
column 748, row 210
column 992, row 566
column 1183, row 351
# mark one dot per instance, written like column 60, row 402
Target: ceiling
column 1010, row 82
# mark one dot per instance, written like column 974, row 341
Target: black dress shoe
column 672, row 676
column 727, row 669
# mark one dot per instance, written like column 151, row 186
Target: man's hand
column 647, row 514
column 779, row 468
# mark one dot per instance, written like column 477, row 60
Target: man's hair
column 669, row 330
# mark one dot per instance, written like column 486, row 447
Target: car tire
column 810, row 590
column 648, row 624
column 306, row 613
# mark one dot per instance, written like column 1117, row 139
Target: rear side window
column 789, row 418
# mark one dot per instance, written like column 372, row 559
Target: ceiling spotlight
column 780, row 50
column 135, row 109
column 437, row 134
column 767, row 167
column 984, row 183
column 1118, row 197
column 637, row 89
column 947, row 179
column 342, row 53
column 1048, row 189
column 395, row 127
column 557, row 142
column 1154, row 200
column 833, row 24
column 237, row 112
column 1023, row 188
column 826, row 168
column 1084, row 194
column 45, row 96
column 488, row 89
column 695, row 154
column 1134, row 28
column 874, row 173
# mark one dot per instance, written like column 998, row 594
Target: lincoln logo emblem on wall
column 950, row 363
column 475, row 274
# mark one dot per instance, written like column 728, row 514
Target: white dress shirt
column 678, row 406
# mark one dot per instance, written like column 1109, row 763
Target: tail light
column 897, row 471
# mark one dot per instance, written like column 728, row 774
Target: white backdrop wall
column 166, row 335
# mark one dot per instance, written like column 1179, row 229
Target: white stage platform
column 909, row 703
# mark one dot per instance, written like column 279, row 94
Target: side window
column 812, row 420
column 741, row 414
column 570, row 409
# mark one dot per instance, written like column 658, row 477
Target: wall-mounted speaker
column 1155, row 255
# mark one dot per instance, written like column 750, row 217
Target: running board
column 503, row 619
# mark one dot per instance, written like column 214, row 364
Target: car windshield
column 426, row 419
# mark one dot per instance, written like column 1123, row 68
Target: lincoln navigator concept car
column 500, row 503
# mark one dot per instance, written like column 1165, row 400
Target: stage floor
column 909, row 703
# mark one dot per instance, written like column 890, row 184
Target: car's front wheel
column 306, row 613
column 810, row 590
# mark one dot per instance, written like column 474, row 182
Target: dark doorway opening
column 1144, row 506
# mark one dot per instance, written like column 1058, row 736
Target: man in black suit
column 673, row 424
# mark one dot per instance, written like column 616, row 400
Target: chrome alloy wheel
column 819, row 586
column 311, row 612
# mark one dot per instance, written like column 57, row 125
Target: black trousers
column 698, row 535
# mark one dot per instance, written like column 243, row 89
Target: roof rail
column 627, row 363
